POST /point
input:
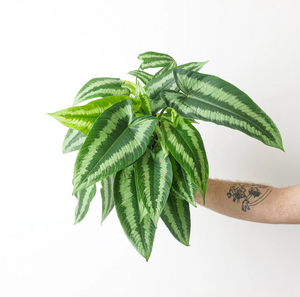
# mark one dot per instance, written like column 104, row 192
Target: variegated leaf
column 166, row 81
column 84, row 198
column 107, row 195
column 142, row 75
column 142, row 209
column 210, row 98
column 161, row 139
column 185, row 144
column 154, row 60
column 139, row 232
column 167, row 116
column 182, row 185
column 73, row 141
column 83, row 117
column 165, row 69
column 115, row 141
column 141, row 95
column 170, row 117
column 130, row 86
column 176, row 216
column 153, row 173
column 101, row 87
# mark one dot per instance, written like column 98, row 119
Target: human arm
column 253, row 202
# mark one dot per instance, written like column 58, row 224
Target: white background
column 49, row 49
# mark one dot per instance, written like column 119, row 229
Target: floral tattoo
column 255, row 194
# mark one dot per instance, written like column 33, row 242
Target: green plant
column 140, row 143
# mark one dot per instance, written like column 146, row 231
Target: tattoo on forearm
column 249, row 193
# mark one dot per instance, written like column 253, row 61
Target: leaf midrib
column 178, row 132
column 139, row 224
column 178, row 219
column 187, row 188
column 105, row 153
column 225, row 109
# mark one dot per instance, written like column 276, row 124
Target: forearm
column 253, row 202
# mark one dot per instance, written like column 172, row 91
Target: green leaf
column 154, row 60
column 185, row 144
column 210, row 98
column 165, row 69
column 182, row 185
column 107, row 195
column 154, row 175
column 101, row 87
column 176, row 216
column 141, row 94
column 161, row 139
column 139, row 232
column 167, row 116
column 115, row 141
column 73, row 141
column 83, row 117
column 166, row 81
column 130, row 86
column 142, row 75
column 170, row 116
column 84, row 198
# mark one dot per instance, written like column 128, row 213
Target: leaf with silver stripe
column 154, row 176
column 182, row 185
column 73, row 141
column 115, row 141
column 166, row 81
column 107, row 195
column 101, row 87
column 84, row 198
column 169, row 115
column 83, row 117
column 139, row 232
column 141, row 95
column 142, row 75
column 185, row 144
column 165, row 69
column 210, row 98
column 176, row 216
column 161, row 139
column 154, row 60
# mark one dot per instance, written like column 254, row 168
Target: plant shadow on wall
column 140, row 143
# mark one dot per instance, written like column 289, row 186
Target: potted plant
column 139, row 142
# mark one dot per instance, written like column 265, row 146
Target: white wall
column 49, row 50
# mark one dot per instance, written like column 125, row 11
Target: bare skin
column 253, row 202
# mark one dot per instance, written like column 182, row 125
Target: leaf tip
column 74, row 191
column 147, row 257
column 54, row 115
column 281, row 148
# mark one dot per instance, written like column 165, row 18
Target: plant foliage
column 139, row 141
